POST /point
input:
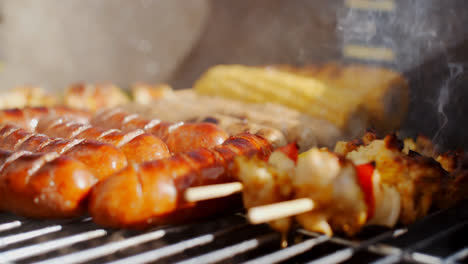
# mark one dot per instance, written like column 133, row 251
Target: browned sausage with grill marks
column 102, row 159
column 152, row 192
column 179, row 137
column 43, row 185
column 137, row 145
column 28, row 117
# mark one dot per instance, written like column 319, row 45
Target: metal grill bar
column 424, row 258
column 105, row 249
column 228, row 252
column 166, row 251
column 439, row 235
column 289, row 252
column 344, row 254
column 10, row 225
column 381, row 249
column 5, row 241
column 461, row 254
column 29, row 251
column 336, row 257
column 76, row 241
column 410, row 254
column 176, row 248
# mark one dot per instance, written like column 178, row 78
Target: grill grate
column 438, row 238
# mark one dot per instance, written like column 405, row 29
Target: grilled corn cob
column 342, row 95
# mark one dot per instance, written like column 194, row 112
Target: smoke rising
column 455, row 70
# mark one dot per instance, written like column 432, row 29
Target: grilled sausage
column 28, row 117
column 137, row 145
column 100, row 158
column 179, row 137
column 152, row 192
column 194, row 112
column 43, row 185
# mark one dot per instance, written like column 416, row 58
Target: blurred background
column 53, row 43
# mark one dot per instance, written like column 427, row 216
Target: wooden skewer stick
column 266, row 213
column 195, row 194
column 256, row 215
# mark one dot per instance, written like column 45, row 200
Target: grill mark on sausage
column 152, row 123
column 10, row 131
column 80, row 130
column 72, row 143
column 56, row 122
column 14, row 156
column 173, row 127
column 48, row 142
column 129, row 118
column 38, row 164
column 107, row 132
column 106, row 114
column 129, row 136
column 136, row 167
column 21, row 141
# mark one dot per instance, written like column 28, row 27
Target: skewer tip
column 207, row 192
column 267, row 213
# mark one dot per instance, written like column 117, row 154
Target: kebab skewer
column 151, row 193
column 367, row 181
column 376, row 183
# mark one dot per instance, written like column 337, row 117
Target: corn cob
column 325, row 97
column 383, row 93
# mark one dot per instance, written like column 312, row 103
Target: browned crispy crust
column 344, row 147
column 455, row 183
column 417, row 177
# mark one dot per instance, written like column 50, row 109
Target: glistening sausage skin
column 137, row 145
column 179, row 137
column 100, row 158
column 152, row 192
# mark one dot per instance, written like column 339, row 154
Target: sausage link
column 152, row 192
column 28, row 117
column 179, row 137
column 137, row 145
column 43, row 185
column 102, row 159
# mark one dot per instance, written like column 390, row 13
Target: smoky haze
column 429, row 38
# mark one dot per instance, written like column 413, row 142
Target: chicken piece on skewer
column 332, row 183
column 267, row 182
column 421, row 145
column 416, row 178
column 454, row 186
column 455, row 183
column 344, row 147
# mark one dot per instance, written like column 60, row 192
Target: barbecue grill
column 440, row 237
column 423, row 45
